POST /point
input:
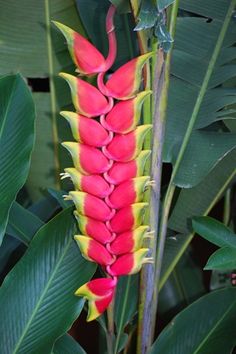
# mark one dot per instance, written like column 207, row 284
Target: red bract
column 88, row 205
column 94, row 228
column 99, row 293
column 128, row 241
column 108, row 164
column 126, row 147
column 128, row 192
column 83, row 94
column 93, row 184
column 119, row 88
column 86, row 57
column 129, row 263
column 87, row 159
column 94, row 251
column 128, row 218
column 87, row 131
column 125, row 115
column 120, row 172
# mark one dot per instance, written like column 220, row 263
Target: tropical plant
column 145, row 76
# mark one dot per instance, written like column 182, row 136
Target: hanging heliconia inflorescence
column 108, row 164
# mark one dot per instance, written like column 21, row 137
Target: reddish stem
column 110, row 29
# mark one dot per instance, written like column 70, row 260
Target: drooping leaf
column 67, row 345
column 212, row 319
column 217, row 233
column 214, row 231
column 205, row 150
column 17, row 114
column 198, row 200
column 22, row 224
column 222, row 259
column 194, row 93
column 43, row 284
column 147, row 16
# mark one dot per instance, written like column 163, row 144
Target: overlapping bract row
column 108, row 164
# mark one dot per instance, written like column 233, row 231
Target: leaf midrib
column 41, row 298
column 213, row 329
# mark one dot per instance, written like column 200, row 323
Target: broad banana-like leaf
column 212, row 319
column 67, row 345
column 37, row 301
column 36, row 48
column 198, row 200
column 202, row 61
column 17, row 115
column 23, row 224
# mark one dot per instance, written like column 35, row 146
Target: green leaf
column 212, row 319
column 196, row 163
column 29, row 45
column 214, row 231
column 59, row 196
column 36, row 49
column 125, row 305
column 123, row 342
column 198, row 200
column 163, row 4
column 17, row 116
column 164, row 38
column 183, row 287
column 42, row 173
column 199, row 66
column 22, row 224
column 67, row 345
column 174, row 248
column 222, row 259
column 122, row 5
column 216, row 9
column 43, row 284
column 45, row 208
column 147, row 15
column 9, row 244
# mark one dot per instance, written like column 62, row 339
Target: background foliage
column 40, row 266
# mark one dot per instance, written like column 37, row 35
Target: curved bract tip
column 85, row 55
column 121, row 89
